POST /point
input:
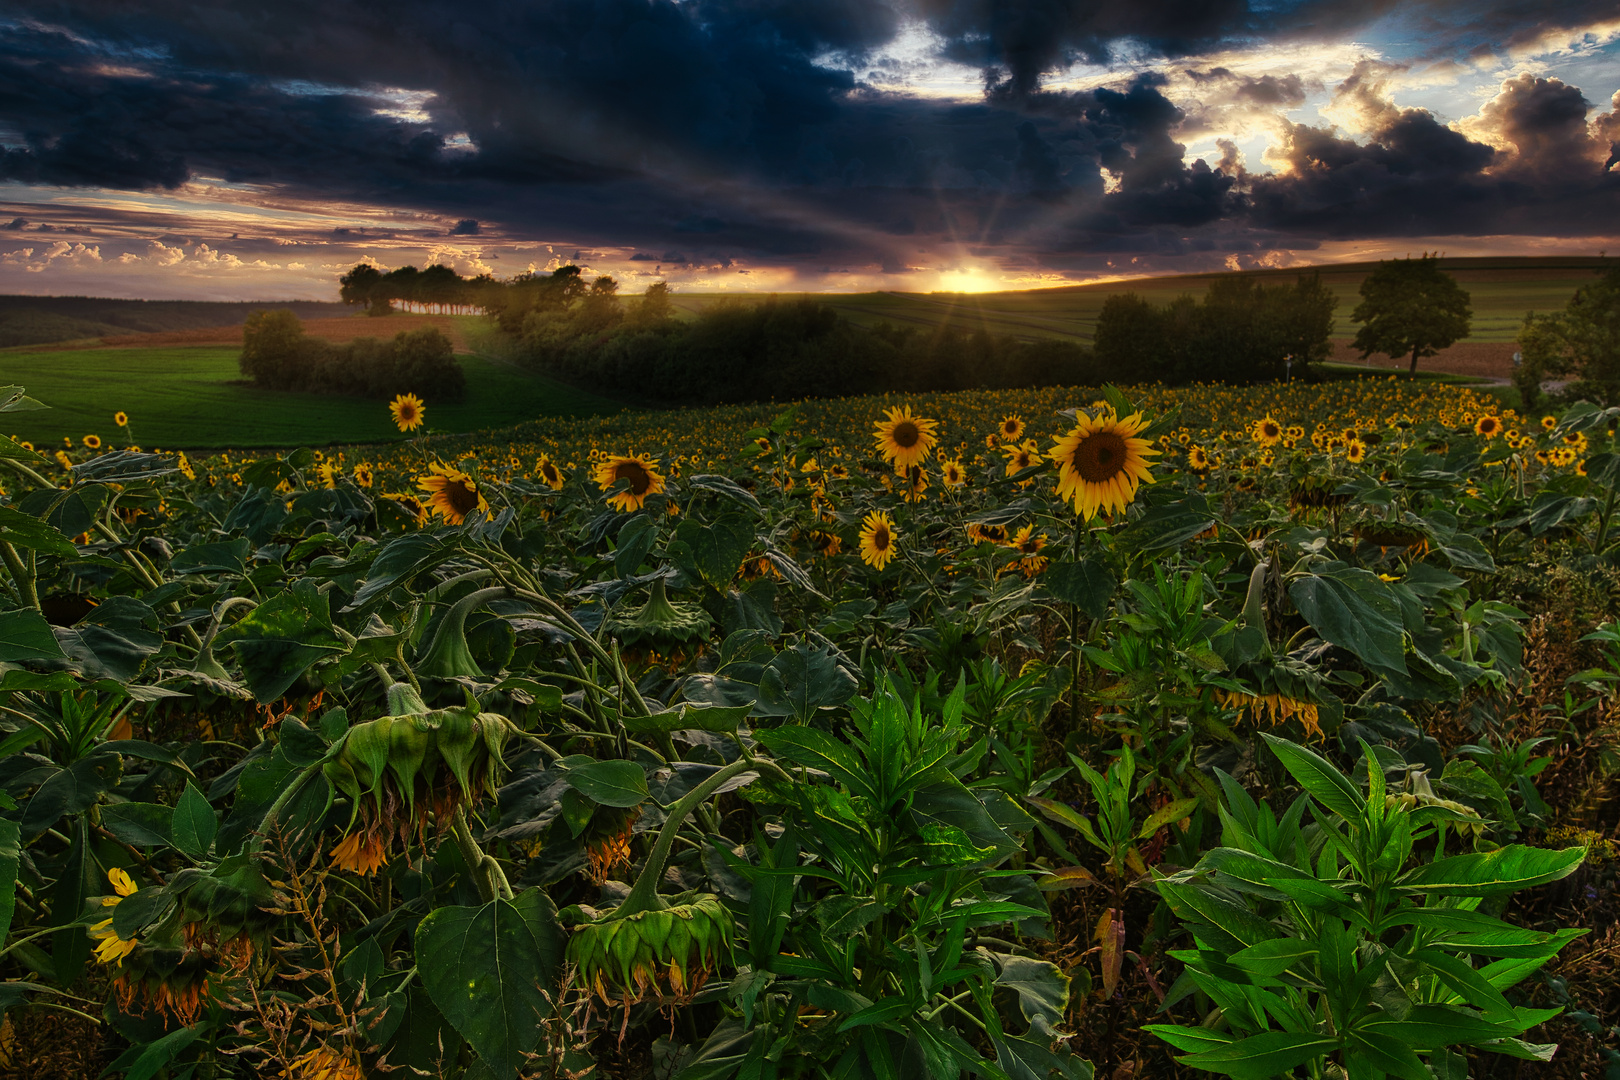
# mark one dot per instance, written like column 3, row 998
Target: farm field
column 1502, row 291
column 1029, row 680
column 188, row 396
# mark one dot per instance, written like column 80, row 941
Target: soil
column 1491, row 359
column 334, row 330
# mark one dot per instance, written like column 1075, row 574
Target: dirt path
column 333, row 330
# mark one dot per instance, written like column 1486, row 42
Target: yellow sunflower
column 877, row 540
column 1012, row 428
column 452, row 494
column 639, row 469
column 1197, row 459
column 363, row 475
column 1355, row 451
column 1266, row 431
column 1548, row 423
column 953, row 473
column 93, row 442
column 1488, row 426
column 121, row 418
column 113, row 948
column 407, row 410
column 1021, row 456
column 916, row 483
column 328, row 473
column 547, row 471
column 1029, row 545
column 903, row 439
column 1101, row 463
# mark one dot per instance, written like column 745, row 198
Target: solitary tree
column 1410, row 306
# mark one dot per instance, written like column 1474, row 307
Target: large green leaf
column 194, row 824
column 280, row 639
column 25, row 635
column 818, row 750
column 1263, row 1056
column 717, row 548
column 10, row 855
column 801, row 681
column 1507, row 869
column 26, row 531
column 1353, row 609
column 1326, row 784
column 487, row 974
column 609, row 783
column 1087, row 584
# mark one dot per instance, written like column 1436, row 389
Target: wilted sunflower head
column 547, row 471
column 905, row 440
column 407, row 410
column 1101, row 462
column 641, row 473
column 452, row 494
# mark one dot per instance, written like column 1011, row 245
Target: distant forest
column 752, row 349
column 42, row 320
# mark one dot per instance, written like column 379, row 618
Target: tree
column 1410, row 306
column 1583, row 340
column 362, row 285
column 275, row 352
column 655, row 306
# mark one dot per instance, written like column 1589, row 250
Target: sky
column 227, row 150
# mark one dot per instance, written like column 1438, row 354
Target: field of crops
column 193, row 396
column 1063, row 733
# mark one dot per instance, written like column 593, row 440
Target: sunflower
column 877, row 540
column 1021, row 456
column 121, row 418
column 1197, row 459
column 113, row 949
column 826, row 544
column 1012, row 428
column 1548, row 423
column 411, row 505
column 547, row 470
column 1488, row 426
column 322, row 1063
column 640, row 470
column 1266, row 431
column 328, row 473
column 953, row 473
column 363, row 475
column 92, row 442
column 361, row 852
column 905, row 440
column 407, row 410
column 452, row 494
column 1101, row 462
column 1355, row 451
column 986, row 534
column 183, row 463
column 916, row 481
column 1029, row 545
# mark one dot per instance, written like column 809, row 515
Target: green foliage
column 1411, row 306
column 1335, row 942
column 1242, row 331
column 277, row 355
column 1582, row 341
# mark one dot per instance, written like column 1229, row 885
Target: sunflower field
column 1255, row 732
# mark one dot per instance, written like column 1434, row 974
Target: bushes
column 277, row 355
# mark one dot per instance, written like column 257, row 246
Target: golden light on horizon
column 969, row 280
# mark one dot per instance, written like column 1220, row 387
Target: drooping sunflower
column 407, row 410
column 877, row 540
column 452, row 494
column 362, row 852
column 1266, row 431
column 905, row 440
column 1101, row 463
column 1488, row 426
column 639, row 469
column 121, row 418
column 1012, row 428
column 547, row 471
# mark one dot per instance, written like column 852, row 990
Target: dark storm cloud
column 717, row 125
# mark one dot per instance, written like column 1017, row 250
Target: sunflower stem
column 644, row 893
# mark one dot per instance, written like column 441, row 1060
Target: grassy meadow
column 192, row 398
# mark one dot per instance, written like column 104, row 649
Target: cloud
column 465, row 227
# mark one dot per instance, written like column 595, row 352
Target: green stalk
column 1603, row 522
column 487, row 873
column 644, row 894
column 26, row 590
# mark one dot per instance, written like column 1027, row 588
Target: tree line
column 278, row 355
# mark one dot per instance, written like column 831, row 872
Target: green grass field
column 184, row 398
column 1502, row 291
